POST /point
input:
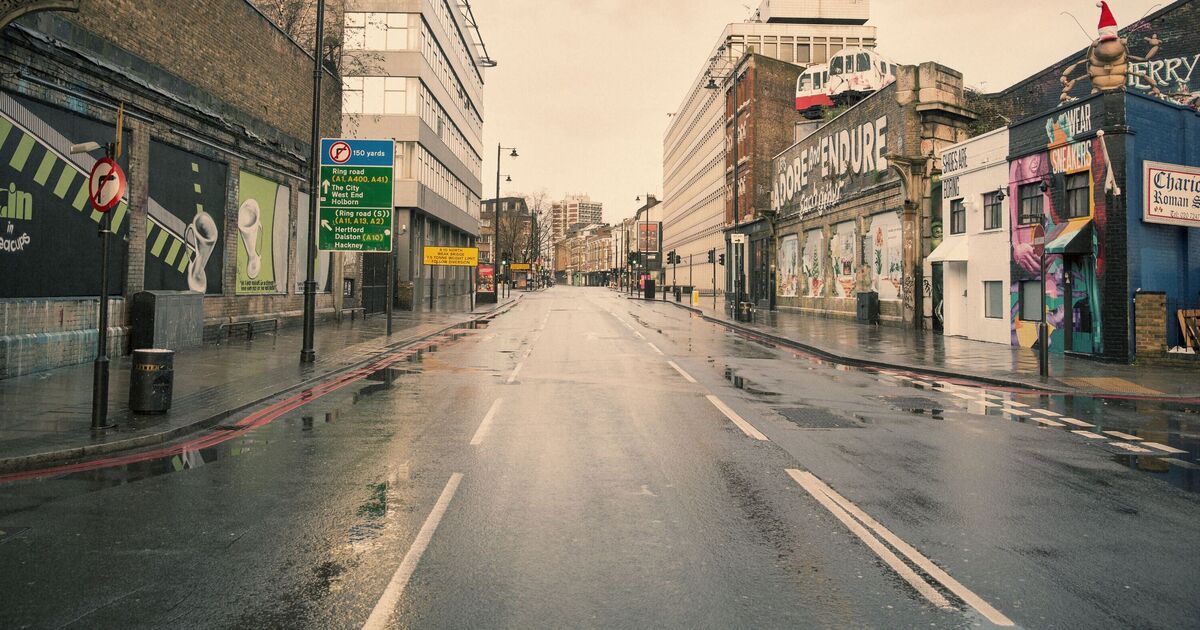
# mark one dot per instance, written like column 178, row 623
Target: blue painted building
column 1080, row 206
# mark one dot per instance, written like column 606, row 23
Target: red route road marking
column 263, row 416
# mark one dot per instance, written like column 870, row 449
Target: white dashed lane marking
column 1123, row 436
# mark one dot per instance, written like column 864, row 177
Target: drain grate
column 813, row 418
column 914, row 403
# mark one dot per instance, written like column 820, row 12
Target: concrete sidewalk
column 930, row 353
column 47, row 416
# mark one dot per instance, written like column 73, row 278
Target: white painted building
column 694, row 167
column 974, row 254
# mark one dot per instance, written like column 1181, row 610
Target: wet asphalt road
column 556, row 470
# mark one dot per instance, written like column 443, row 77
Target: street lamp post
column 307, row 353
column 737, row 263
column 1043, row 327
column 499, row 253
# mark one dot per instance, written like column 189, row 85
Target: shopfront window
column 993, row 299
column 1031, row 301
column 1079, row 193
column 992, row 217
column 958, row 217
column 1031, row 203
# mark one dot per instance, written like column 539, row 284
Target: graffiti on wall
column 789, row 266
column 48, row 230
column 813, row 264
column 1070, row 245
column 842, row 257
column 886, row 257
column 262, row 245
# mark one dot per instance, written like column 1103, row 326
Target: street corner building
column 853, row 203
column 1105, row 193
column 215, row 147
column 1101, row 197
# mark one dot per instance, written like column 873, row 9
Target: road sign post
column 106, row 186
column 355, row 201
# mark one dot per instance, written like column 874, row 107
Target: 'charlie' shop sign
column 1172, row 194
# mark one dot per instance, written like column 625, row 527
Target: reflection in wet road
column 592, row 461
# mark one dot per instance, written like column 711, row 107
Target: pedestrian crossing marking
column 1163, row 447
column 1088, row 434
column 1050, row 423
column 1013, row 403
column 21, row 155
column 1123, row 436
column 1016, row 412
column 43, row 171
column 1132, row 448
column 1047, row 413
column 1078, row 423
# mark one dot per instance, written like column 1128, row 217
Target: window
column 352, row 95
column 377, row 31
column 864, row 62
column 958, row 217
column 1031, row 203
column 1079, row 192
column 993, row 299
column 802, row 53
column 992, row 217
column 1031, row 301
column 835, row 66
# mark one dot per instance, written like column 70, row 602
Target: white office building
column 413, row 72
column 694, row 167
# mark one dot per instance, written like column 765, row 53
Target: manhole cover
column 813, row 418
column 914, row 403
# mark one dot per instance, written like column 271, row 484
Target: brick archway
column 13, row 9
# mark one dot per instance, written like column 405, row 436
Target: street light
column 499, row 271
column 307, row 353
column 738, row 263
column 1043, row 327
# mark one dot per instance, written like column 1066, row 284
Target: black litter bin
column 678, row 294
column 648, row 292
column 152, row 380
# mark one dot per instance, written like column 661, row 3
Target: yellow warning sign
column 452, row 256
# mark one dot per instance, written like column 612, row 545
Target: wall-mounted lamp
column 1045, row 186
column 1000, row 194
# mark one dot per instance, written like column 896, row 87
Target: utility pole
column 307, row 353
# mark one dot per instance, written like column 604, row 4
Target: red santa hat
column 1108, row 24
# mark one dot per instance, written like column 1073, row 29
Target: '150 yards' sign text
column 356, row 195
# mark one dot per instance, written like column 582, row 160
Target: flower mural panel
column 842, row 257
column 813, row 263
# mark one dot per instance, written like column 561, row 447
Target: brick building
column 853, row 203
column 760, row 114
column 215, row 148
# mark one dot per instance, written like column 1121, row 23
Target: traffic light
column 678, row 259
column 671, row 257
column 712, row 256
column 721, row 260
column 632, row 258
column 504, row 258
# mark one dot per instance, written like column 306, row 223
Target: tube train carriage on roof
column 850, row 75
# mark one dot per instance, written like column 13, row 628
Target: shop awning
column 951, row 250
column 1075, row 238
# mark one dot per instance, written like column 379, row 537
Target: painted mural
column 886, row 257
column 813, row 264
column 1162, row 49
column 842, row 258
column 262, row 246
column 1075, row 245
column 789, row 266
column 185, row 247
column 49, row 243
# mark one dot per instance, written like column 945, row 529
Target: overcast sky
column 583, row 87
